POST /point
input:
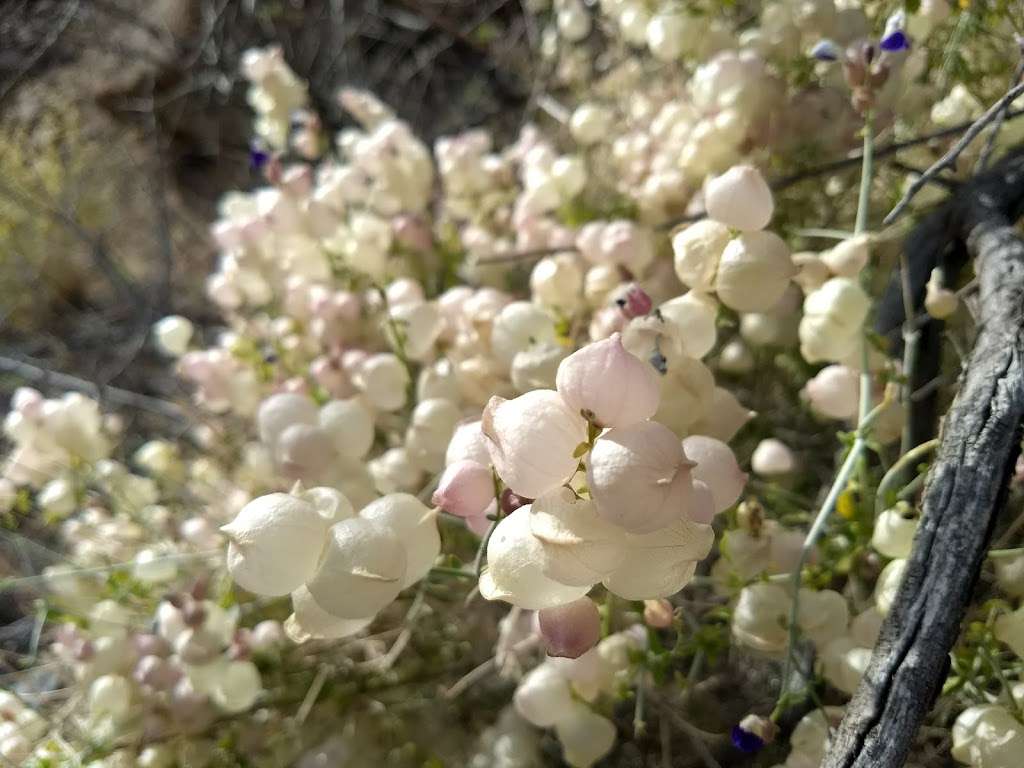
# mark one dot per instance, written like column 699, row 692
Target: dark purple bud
column 825, row 50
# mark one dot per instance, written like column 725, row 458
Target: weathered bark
column 965, row 491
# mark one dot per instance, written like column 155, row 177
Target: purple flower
column 258, row 157
column 894, row 41
column 745, row 741
column 825, row 50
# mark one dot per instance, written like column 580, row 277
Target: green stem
column 866, row 171
column 892, row 477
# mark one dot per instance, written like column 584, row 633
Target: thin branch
column 990, row 142
column 43, row 377
column 948, row 160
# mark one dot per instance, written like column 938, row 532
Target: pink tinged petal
column 465, row 489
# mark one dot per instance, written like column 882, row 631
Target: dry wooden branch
column 966, row 490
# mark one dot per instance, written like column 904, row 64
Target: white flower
column 518, row 326
column 309, row 621
column 639, row 477
column 531, row 440
column 349, row 424
column 848, row 257
column 579, row 547
column 414, row 524
column 833, row 317
column 697, row 250
column 723, row 417
column 739, row 198
column 363, row 569
column 278, row 412
column 468, row 444
column 590, row 122
column 666, row 35
column 172, row 335
column 384, row 381
column 660, row 563
column 514, row 574
column 988, row 736
column 276, row 541
column 717, row 468
column 110, row 696
column 431, row 427
column 543, row 696
column 753, row 272
column 57, row 498
column 761, row 617
column 835, row 392
column 690, row 325
column 894, row 534
column 939, row 301
column 687, row 394
column 608, row 384
column 1009, row 629
column 557, row 282
column 772, row 458
column 586, row 736
column 888, row 584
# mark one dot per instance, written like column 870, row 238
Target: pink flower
column 465, row 490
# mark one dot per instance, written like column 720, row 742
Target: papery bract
column 532, row 440
column 640, row 478
column 570, row 630
column 608, row 384
column 717, row 467
column 740, row 198
column 415, row 526
column 465, row 489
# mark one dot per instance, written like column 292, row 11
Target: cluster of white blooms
column 275, row 94
column 557, row 694
column 638, row 523
column 49, row 437
column 20, row 728
column 339, row 566
column 760, row 619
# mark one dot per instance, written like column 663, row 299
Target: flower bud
column 110, row 696
column 518, row 326
column 466, row 489
column 888, row 585
column 666, row 35
column 309, row 621
column 739, row 198
column 833, row 317
column 848, row 257
column 835, row 392
column 735, row 358
column 607, row 384
column 753, row 272
column 772, row 458
column 658, row 614
column 939, row 302
column 987, row 736
column 532, row 440
column 894, row 534
column 590, row 123
column 172, row 335
column 717, row 468
column 570, row 630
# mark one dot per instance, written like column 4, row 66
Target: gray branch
column 964, row 494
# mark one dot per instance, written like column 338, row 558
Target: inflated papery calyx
column 532, row 439
column 570, row 630
column 513, row 571
column 611, row 386
column 661, row 563
column 717, row 468
column 465, row 489
column 275, row 542
column 414, row 524
column 639, row 477
column 586, row 736
column 543, row 696
column 579, row 546
column 363, row 570
column 740, row 198
column 311, row 622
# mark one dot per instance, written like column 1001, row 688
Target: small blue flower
column 896, row 40
column 745, row 741
column 258, row 157
column 825, row 50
